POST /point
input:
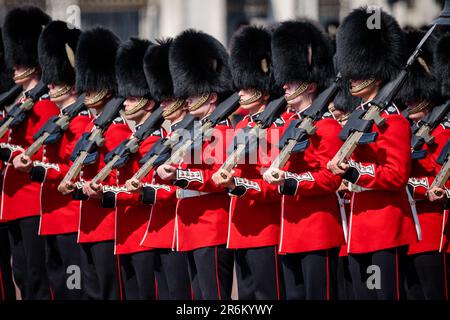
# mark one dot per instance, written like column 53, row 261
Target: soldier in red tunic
column 254, row 209
column 21, row 196
column 200, row 71
column 171, row 268
column 59, row 213
column 381, row 222
column 7, row 289
column 95, row 75
column 311, row 230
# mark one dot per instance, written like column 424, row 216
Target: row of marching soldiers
column 312, row 229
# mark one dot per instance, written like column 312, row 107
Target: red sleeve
column 393, row 166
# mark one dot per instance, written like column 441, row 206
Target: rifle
column 422, row 135
column 444, row 173
column 85, row 151
column 54, row 127
column 121, row 154
column 357, row 129
column 246, row 145
column 8, row 97
column 159, row 152
column 18, row 113
column 222, row 111
column 298, row 132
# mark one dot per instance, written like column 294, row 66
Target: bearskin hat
column 6, row 73
column 421, row 84
column 251, row 59
column 199, row 64
column 365, row 51
column 442, row 64
column 157, row 71
column 21, row 32
column 95, row 60
column 344, row 100
column 302, row 52
column 57, row 46
column 129, row 68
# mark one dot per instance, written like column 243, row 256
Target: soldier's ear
column 312, row 87
column 213, row 97
column 150, row 105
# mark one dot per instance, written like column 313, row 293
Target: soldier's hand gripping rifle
column 55, row 126
column 246, row 140
column 8, row 97
column 298, row 132
column 222, row 112
column 121, row 154
column 357, row 129
column 86, row 149
column 19, row 111
column 422, row 135
column 160, row 151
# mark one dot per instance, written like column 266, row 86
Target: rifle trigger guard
column 355, row 124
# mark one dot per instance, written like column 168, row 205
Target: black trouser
column 310, row 275
column 172, row 275
column 64, row 266
column 211, row 272
column 7, row 289
column 426, row 276
column 377, row 275
column 100, row 271
column 257, row 273
column 344, row 287
column 138, row 276
column 28, row 254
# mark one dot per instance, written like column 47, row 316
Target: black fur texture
column 21, row 31
column 130, row 70
column 442, row 60
column 199, row 64
column 302, row 52
column 249, row 46
column 6, row 73
column 363, row 53
column 157, row 72
column 95, row 60
column 55, row 65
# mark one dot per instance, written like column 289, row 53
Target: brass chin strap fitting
column 255, row 97
column 139, row 105
column 363, row 85
column 95, row 99
column 200, row 102
column 419, row 107
column 300, row 89
column 174, row 107
column 28, row 72
column 60, row 92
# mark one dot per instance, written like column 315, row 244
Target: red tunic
column 20, row 195
column 255, row 204
column 97, row 223
column 381, row 217
column 202, row 220
column 310, row 210
column 431, row 215
column 59, row 214
column 131, row 214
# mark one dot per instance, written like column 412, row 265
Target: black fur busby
column 95, row 60
column 57, row 47
column 21, row 32
column 6, row 73
column 129, row 68
column 251, row 59
column 157, row 72
column 421, row 84
column 375, row 52
column 199, row 64
column 442, row 64
column 302, row 52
